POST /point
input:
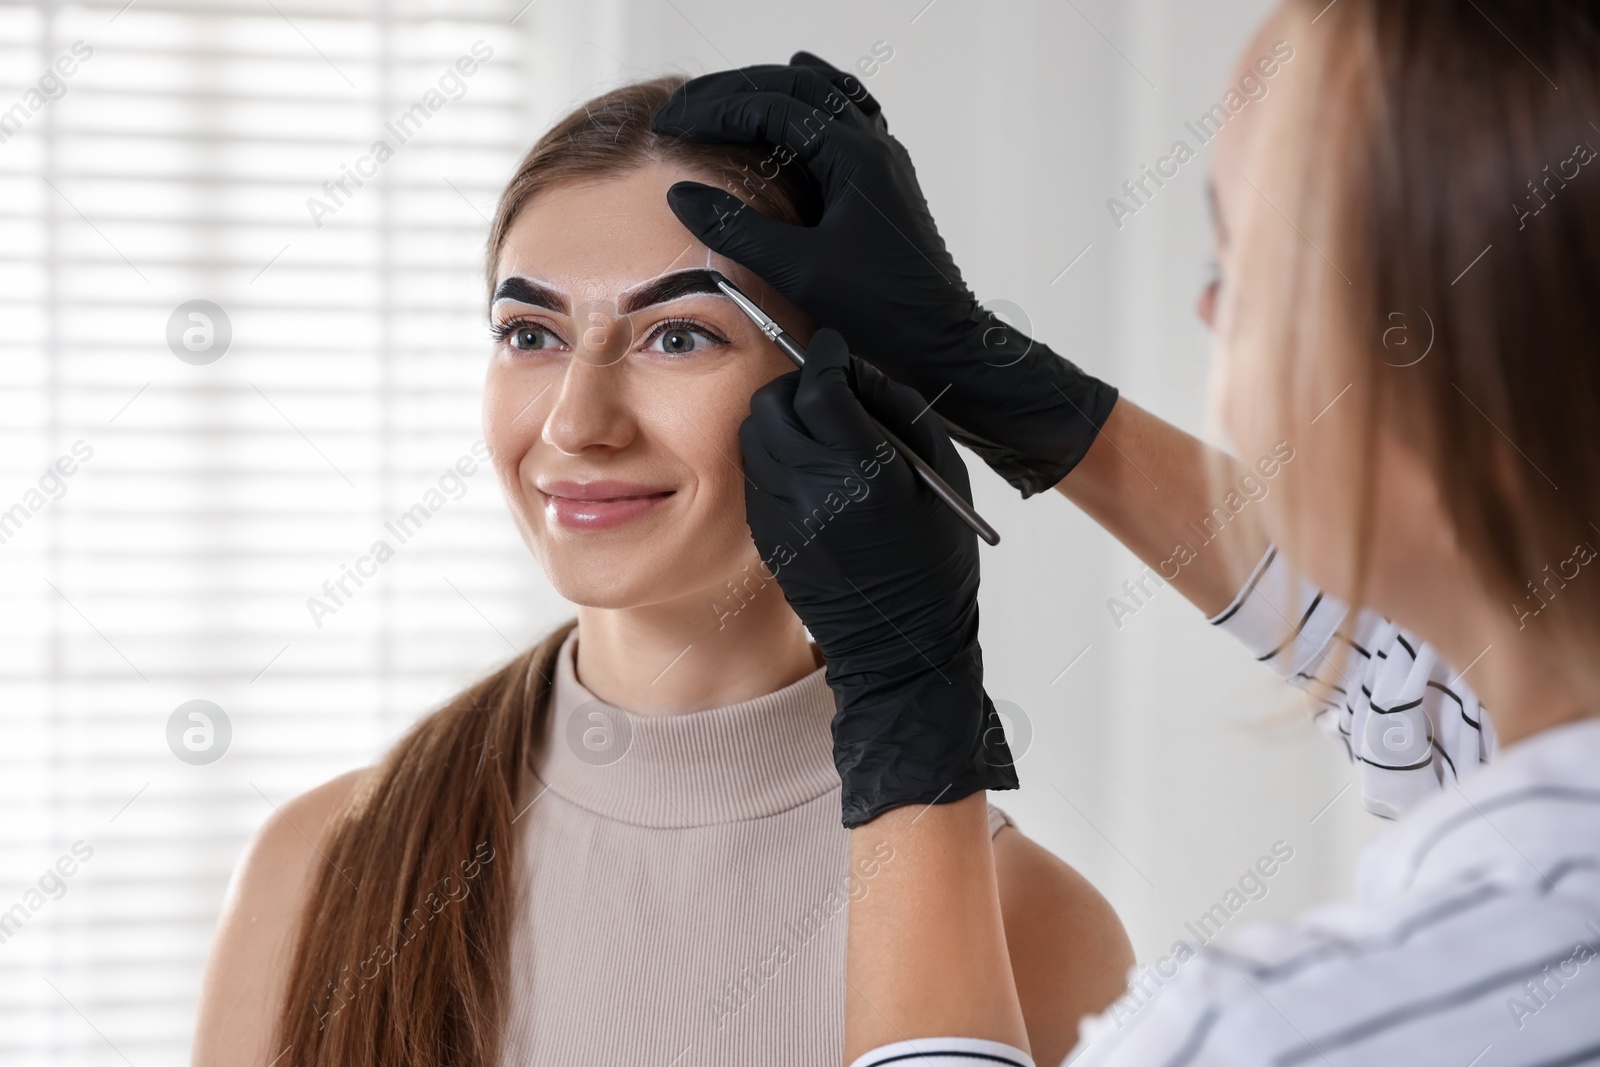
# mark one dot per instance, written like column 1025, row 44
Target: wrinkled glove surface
column 874, row 267
column 883, row 574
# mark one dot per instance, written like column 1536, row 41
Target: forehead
column 600, row 237
column 1234, row 142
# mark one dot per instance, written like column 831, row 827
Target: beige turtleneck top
column 684, row 885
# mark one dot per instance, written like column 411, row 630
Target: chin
column 628, row 576
column 644, row 563
column 590, row 579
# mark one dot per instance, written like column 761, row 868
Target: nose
column 1206, row 306
column 589, row 414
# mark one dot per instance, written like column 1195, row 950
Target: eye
column 682, row 339
column 678, row 341
column 525, row 336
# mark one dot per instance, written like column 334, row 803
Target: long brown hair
column 1428, row 184
column 402, row 956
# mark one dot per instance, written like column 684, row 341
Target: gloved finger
column 843, row 80
column 774, row 421
column 768, row 490
column 771, row 432
column 911, row 418
column 818, row 135
column 681, row 115
column 763, row 472
column 729, row 226
column 826, row 402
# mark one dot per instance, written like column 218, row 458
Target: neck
column 702, row 650
column 1523, row 682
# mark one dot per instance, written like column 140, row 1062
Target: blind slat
column 175, row 563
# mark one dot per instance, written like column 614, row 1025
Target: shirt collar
column 743, row 761
column 1526, row 817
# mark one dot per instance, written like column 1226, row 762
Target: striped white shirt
column 1407, row 719
column 1474, row 937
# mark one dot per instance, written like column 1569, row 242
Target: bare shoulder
column 1069, row 951
column 251, row 952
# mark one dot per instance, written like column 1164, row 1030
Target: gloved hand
column 883, row 574
column 875, row 268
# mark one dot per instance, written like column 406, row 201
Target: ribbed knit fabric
column 686, row 903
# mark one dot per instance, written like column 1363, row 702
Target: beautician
column 1419, row 155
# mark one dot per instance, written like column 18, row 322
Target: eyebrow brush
column 797, row 355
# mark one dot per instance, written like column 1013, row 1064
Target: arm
column 936, row 941
column 1068, row 949
column 242, row 992
column 1145, row 481
column 927, row 955
column 889, row 588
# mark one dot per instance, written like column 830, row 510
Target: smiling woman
column 612, row 408
column 624, row 846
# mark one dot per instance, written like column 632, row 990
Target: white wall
column 1165, row 761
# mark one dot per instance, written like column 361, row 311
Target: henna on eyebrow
column 669, row 287
column 525, row 291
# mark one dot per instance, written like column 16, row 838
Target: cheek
column 1244, row 391
column 514, row 401
column 696, row 419
column 1230, row 404
column 1245, row 409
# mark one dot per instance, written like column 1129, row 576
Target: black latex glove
column 883, row 574
column 875, row 268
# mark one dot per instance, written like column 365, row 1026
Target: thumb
column 913, row 420
column 826, row 402
column 729, row 226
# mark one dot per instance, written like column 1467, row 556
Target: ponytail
column 402, row 954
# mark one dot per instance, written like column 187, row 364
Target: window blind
column 241, row 346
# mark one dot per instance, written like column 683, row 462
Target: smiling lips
column 601, row 505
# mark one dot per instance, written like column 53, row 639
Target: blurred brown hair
column 1424, row 164
column 402, row 954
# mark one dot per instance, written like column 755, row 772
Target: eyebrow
column 669, row 287
column 525, row 291
column 660, row 290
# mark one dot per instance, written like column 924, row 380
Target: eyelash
column 685, row 324
column 500, row 331
column 503, row 330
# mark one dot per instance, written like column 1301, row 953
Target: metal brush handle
column 929, row 476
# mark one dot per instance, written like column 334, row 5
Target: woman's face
column 1322, row 421
column 1308, row 516
column 614, row 398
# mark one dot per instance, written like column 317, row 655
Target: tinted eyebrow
column 669, row 287
column 529, row 292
